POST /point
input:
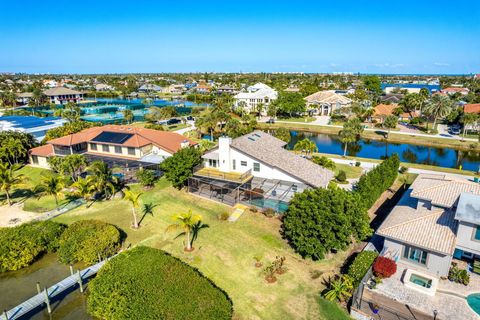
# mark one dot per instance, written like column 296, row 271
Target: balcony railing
column 215, row 173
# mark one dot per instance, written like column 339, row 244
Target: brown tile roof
column 454, row 89
column 42, row 151
column 168, row 141
column 384, row 109
column 60, row 91
column 471, row 108
column 327, row 97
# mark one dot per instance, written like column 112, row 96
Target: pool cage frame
column 258, row 192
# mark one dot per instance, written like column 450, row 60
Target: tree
column 134, row 199
column 146, row 177
column 306, row 145
column 290, row 103
column 412, row 102
column 14, row 146
column 282, row 134
column 324, row 162
column 84, row 188
column 9, row 179
column 339, row 289
column 372, row 84
column 390, row 122
column 350, row 133
column 68, row 128
column 128, row 115
column 50, row 184
column 38, row 99
column 438, row 107
column 179, row 167
column 467, row 119
column 185, row 222
column 71, row 165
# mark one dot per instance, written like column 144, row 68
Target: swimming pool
column 277, row 205
column 473, row 301
column 421, row 281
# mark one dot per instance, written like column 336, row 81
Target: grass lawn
column 351, row 171
column 224, row 252
column 297, row 119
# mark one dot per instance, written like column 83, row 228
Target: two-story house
column 258, row 96
column 113, row 142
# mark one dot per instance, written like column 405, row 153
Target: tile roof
column 57, row 91
column 169, row 141
column 269, row 150
column 455, row 89
column 42, row 151
column 384, row 109
column 471, row 108
column 327, row 96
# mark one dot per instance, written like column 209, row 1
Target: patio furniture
column 255, row 193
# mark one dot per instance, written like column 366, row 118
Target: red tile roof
column 472, row 108
column 384, row 109
column 42, row 151
column 454, row 89
column 169, row 141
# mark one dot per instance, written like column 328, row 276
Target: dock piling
column 47, row 301
column 80, row 282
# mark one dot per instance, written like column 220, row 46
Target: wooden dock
column 42, row 298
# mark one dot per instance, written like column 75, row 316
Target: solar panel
column 112, row 137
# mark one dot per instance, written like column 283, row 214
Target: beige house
column 62, row 95
column 324, row 103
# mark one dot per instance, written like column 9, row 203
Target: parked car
column 173, row 121
column 190, row 118
column 271, row 120
column 455, row 131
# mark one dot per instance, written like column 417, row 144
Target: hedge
column 372, row 184
column 85, row 240
column 147, row 283
column 360, row 265
column 21, row 246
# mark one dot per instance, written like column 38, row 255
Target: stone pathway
column 237, row 213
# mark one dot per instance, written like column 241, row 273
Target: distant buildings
column 61, row 95
column 453, row 90
column 326, row 102
column 29, row 124
column 258, row 94
column 103, row 87
column 149, row 87
column 382, row 111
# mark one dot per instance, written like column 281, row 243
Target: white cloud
column 441, row 64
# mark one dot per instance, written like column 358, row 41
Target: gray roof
column 270, row 150
column 60, row 91
column 468, row 208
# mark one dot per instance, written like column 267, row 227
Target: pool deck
column 449, row 299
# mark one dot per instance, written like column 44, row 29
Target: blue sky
column 230, row 36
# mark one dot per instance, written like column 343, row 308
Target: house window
column 118, row 149
column 243, row 163
column 234, row 165
column 105, row 148
column 131, row 151
column 93, row 146
column 256, row 166
column 477, row 233
column 35, row 159
column 415, row 255
column 212, row 163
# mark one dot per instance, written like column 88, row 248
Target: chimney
column 184, row 144
column 224, row 153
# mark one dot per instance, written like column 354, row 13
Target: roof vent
column 251, row 138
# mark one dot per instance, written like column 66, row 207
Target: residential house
column 326, row 102
column 453, row 90
column 24, row 97
column 255, row 169
column 50, row 83
column 61, row 95
column 225, row 89
column 391, row 98
column 381, row 111
column 257, row 95
column 174, row 89
column 103, row 87
column 203, row 88
column 134, row 146
column 472, row 108
column 149, row 87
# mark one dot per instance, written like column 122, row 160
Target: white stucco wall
column 42, row 162
column 466, row 238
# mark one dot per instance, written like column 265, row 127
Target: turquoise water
column 474, row 302
column 276, row 205
column 421, row 281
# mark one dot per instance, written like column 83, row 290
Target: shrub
column 458, row 275
column 154, row 126
column 85, row 240
column 403, row 169
column 224, row 216
column 21, row 246
column 146, row 177
column 268, row 212
column 179, row 167
column 324, row 162
column 357, row 164
column 360, row 265
column 342, row 176
column 384, row 267
column 147, row 283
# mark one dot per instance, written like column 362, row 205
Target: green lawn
column 351, row 171
column 297, row 119
column 224, row 252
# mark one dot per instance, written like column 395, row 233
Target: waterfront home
column 114, row 144
column 382, row 111
column 103, row 87
column 326, row 102
column 148, row 87
column 225, row 89
column 50, row 83
column 257, row 95
column 391, row 98
column 203, row 88
column 453, row 90
column 61, row 95
column 29, row 124
column 24, row 97
column 255, row 169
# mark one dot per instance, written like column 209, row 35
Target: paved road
column 189, row 128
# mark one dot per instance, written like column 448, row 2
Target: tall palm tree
column 84, row 187
column 128, row 115
column 102, row 176
column 350, row 132
column 438, row 107
column 9, row 180
column 50, row 184
column 134, row 199
column 185, row 222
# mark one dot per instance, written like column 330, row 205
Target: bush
column 21, row 246
column 372, row 184
column 224, row 216
column 147, row 283
column 268, row 212
column 403, row 169
column 146, row 177
column 324, row 162
column 458, row 275
column 384, row 267
column 179, row 167
column 342, row 176
column 85, row 240
column 360, row 265
column 357, row 164
column 154, row 126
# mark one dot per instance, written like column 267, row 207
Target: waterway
column 379, row 149
column 18, row 286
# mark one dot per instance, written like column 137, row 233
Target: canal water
column 18, row 286
column 376, row 149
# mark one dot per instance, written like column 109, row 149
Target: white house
column 326, row 102
column 61, row 95
column 257, row 94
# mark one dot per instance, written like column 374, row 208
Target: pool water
column 276, row 205
column 473, row 301
column 421, row 281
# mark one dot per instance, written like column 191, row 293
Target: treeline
column 321, row 221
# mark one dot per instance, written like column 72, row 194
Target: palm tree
column 134, row 198
column 128, row 115
column 38, row 98
column 102, row 176
column 9, row 180
column 390, row 123
column 467, row 119
column 186, row 222
column 306, row 145
column 350, row 132
column 84, row 188
column 438, row 107
column 50, row 184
